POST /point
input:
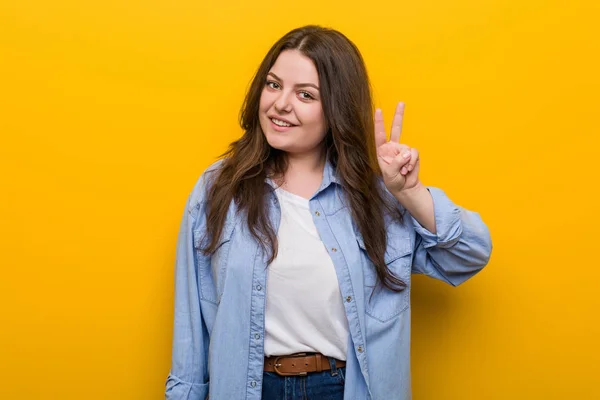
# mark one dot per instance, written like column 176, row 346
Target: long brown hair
column 348, row 110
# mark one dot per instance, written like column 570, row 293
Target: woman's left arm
column 452, row 243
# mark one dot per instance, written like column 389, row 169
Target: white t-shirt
column 305, row 312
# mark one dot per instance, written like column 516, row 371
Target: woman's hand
column 399, row 163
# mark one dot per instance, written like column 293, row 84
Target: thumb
column 386, row 159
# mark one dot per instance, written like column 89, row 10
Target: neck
column 306, row 163
column 304, row 172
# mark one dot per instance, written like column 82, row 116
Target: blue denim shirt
column 219, row 322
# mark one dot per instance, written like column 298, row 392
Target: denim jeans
column 326, row 385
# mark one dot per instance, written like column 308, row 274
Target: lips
column 279, row 128
column 271, row 117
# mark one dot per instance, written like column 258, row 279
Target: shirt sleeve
column 459, row 249
column 188, row 376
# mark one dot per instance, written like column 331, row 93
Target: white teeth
column 280, row 123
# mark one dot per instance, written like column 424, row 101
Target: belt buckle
column 276, row 365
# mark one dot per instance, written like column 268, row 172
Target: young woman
column 296, row 249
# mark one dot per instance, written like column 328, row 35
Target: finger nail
column 406, row 154
column 404, row 171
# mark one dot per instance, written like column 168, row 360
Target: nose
column 283, row 104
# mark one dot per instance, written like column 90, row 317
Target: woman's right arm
column 188, row 377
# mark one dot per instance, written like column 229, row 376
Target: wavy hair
column 350, row 144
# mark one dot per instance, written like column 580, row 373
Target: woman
column 296, row 249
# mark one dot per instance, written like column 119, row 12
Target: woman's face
column 291, row 113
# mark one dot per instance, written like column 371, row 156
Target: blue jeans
column 326, row 385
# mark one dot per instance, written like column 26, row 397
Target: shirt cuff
column 447, row 221
column 176, row 389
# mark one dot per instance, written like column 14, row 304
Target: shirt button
column 258, row 287
column 256, row 336
column 253, row 383
column 360, row 349
column 317, row 213
column 333, row 249
column 348, row 299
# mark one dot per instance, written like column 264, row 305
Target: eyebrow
column 297, row 85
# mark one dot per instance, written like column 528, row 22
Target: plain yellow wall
column 110, row 110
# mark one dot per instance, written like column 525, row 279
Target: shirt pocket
column 382, row 303
column 211, row 274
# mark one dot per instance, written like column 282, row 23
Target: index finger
column 397, row 123
column 380, row 135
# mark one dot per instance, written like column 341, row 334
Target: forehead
column 294, row 67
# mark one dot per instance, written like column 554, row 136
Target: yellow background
column 110, row 110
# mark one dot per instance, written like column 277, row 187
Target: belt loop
column 318, row 359
column 334, row 371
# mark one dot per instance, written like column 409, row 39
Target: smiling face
column 291, row 113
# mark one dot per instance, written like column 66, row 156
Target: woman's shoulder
column 198, row 195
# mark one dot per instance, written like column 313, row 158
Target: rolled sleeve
column 176, row 389
column 459, row 249
column 447, row 222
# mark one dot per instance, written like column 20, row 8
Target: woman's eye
column 273, row 85
column 306, row 96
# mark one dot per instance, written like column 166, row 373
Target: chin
column 277, row 142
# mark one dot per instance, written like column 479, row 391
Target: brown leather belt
column 299, row 364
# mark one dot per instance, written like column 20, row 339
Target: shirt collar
column 329, row 175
